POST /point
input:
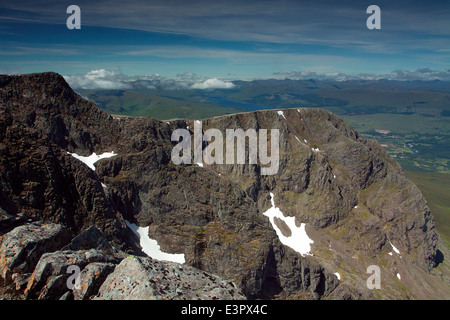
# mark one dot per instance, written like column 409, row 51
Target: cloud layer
column 213, row 84
column 424, row 74
column 97, row 79
column 107, row 80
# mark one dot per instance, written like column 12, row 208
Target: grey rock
column 21, row 248
column 50, row 277
column 9, row 222
column 91, row 277
column 142, row 278
column 91, row 238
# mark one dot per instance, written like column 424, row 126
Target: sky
column 211, row 39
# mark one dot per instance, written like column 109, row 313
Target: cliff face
column 351, row 198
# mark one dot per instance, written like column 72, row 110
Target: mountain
column 337, row 193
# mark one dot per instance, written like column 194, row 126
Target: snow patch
column 390, row 253
column 200, row 164
column 398, row 276
column 299, row 240
column 338, row 275
column 394, row 248
column 151, row 247
column 93, row 158
column 315, row 149
column 104, row 185
column 281, row 114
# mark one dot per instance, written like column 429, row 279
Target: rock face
column 22, row 248
column 142, row 278
column 353, row 199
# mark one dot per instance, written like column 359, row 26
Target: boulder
column 50, row 279
column 21, row 248
column 143, row 278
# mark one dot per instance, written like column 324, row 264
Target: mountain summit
column 338, row 205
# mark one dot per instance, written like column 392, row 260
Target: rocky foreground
column 36, row 256
column 353, row 200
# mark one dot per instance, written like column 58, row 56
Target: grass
column 436, row 189
column 138, row 104
column 399, row 123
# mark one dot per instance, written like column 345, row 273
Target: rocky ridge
column 356, row 204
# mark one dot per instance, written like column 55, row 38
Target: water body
column 234, row 104
column 410, row 146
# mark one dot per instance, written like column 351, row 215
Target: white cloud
column 104, row 79
column 108, row 80
column 213, row 83
column 97, row 79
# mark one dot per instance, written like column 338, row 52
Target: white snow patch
column 93, row 158
column 398, row 276
column 297, row 138
column 390, row 253
column 281, row 114
column 151, row 247
column 305, row 140
column 104, row 185
column 298, row 110
column 200, row 164
column 334, row 176
column 299, row 240
column 337, row 275
column 394, row 248
column 355, row 207
column 315, row 149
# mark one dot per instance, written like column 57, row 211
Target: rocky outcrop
column 51, row 274
column 34, row 266
column 142, row 278
column 354, row 199
column 21, row 249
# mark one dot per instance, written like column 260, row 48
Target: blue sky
column 224, row 39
